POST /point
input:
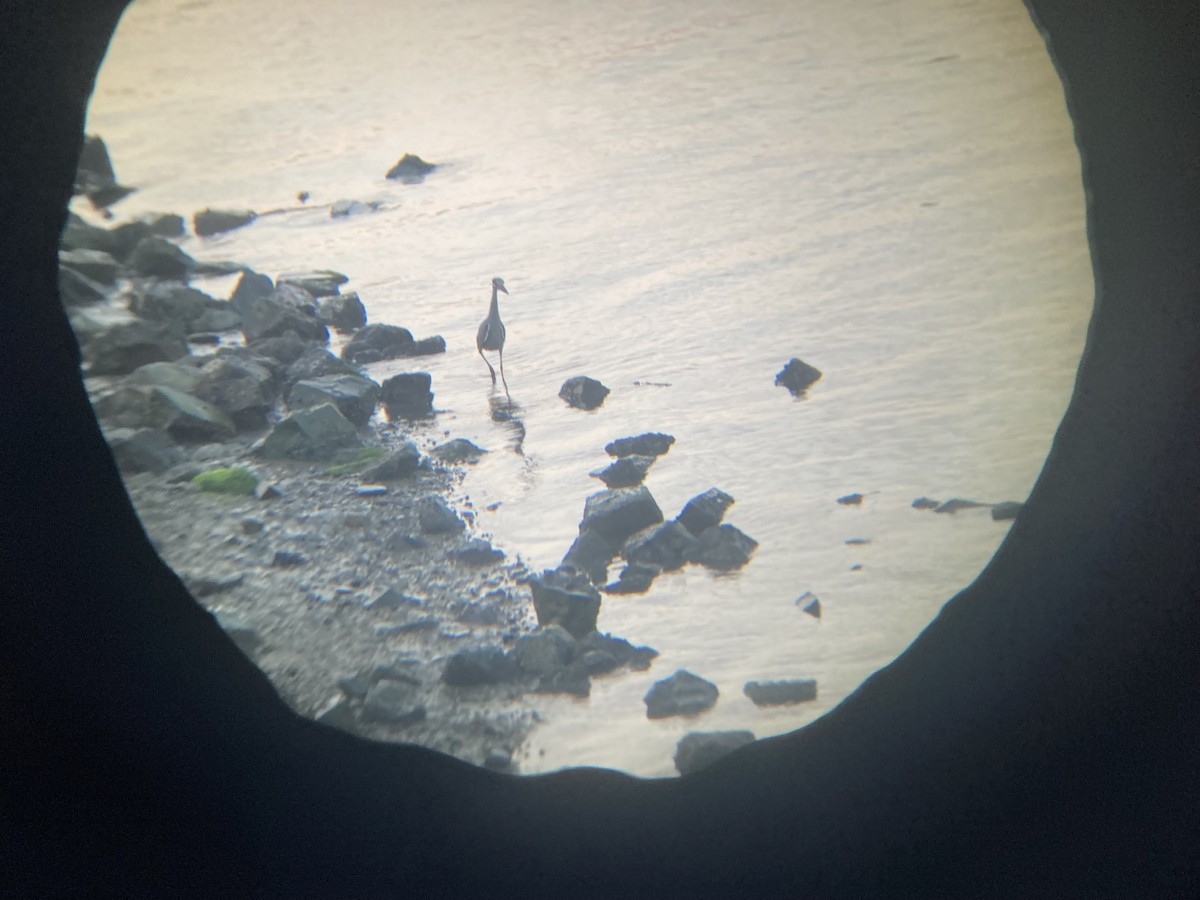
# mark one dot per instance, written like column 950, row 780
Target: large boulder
column 157, row 257
column 96, row 265
column 251, row 286
column 315, row 362
column 565, row 597
column 240, row 388
column 120, row 348
column 345, row 312
column 683, row 694
column 666, row 546
column 125, row 239
column 649, row 444
column 407, row 395
column 704, row 511
column 274, row 316
column 208, row 222
column 354, row 395
column 316, row 433
column 175, row 305
column 583, row 392
column 698, row 749
column 188, row 418
column 375, row 342
column 410, row 169
column 797, row 376
column 619, row 513
column 286, row 349
column 724, row 548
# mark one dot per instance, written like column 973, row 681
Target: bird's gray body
column 491, row 331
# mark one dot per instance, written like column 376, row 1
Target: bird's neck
column 494, row 310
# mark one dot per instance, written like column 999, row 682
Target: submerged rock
column 698, row 749
column 565, row 597
column 458, row 450
column 724, row 548
column 797, row 376
column 208, row 222
column 411, row 169
column 683, row 694
column 634, row 579
column 779, row 693
column 626, row 471
column 583, row 392
column 649, row 444
column 342, row 208
column 955, row 504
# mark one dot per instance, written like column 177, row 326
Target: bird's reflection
column 508, row 413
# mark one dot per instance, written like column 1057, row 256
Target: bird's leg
column 502, row 378
column 488, row 364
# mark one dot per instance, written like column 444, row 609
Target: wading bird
column 491, row 332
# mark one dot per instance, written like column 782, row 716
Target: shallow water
column 687, row 195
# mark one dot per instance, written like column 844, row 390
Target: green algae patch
column 240, row 482
column 361, row 460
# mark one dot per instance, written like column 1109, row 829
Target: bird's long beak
column 503, row 288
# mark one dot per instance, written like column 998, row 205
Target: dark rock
column 157, row 257
column 218, row 316
column 324, row 283
column 649, row 444
column 810, row 603
column 121, row 348
column 428, row 346
column 217, row 268
column 345, row 312
column 393, row 701
column 590, row 554
column 476, row 552
column 926, row 503
column 851, row 500
column 126, row 237
column 666, row 546
column 400, row 463
column 314, row 363
column 634, row 579
column 244, row 635
column 285, row 559
column 583, row 392
column 250, row 287
column 1006, row 510
column 286, row 349
column 698, row 749
column 407, row 395
column 252, row 526
column 955, row 504
column 76, row 289
column 411, row 169
column 458, row 450
column 104, row 197
column 565, row 597
column 241, row 389
column 375, row 342
column 208, row 222
column 683, row 694
column 779, row 693
column 79, row 235
column 276, row 315
column 267, row 491
column 315, row 433
column 207, row 587
column 625, row 653
column 796, row 376
column 724, row 547
column 619, row 513
column 573, row 679
column 598, row 662
column 489, row 665
column 95, row 265
column 435, row 517
column 353, row 395
column 545, row 651
column 168, row 225
column 144, row 450
column 704, row 511
column 626, row 471
column 94, row 176
column 393, row 599
column 175, row 305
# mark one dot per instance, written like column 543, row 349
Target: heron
column 491, row 332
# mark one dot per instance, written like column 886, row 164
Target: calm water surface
column 684, row 194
